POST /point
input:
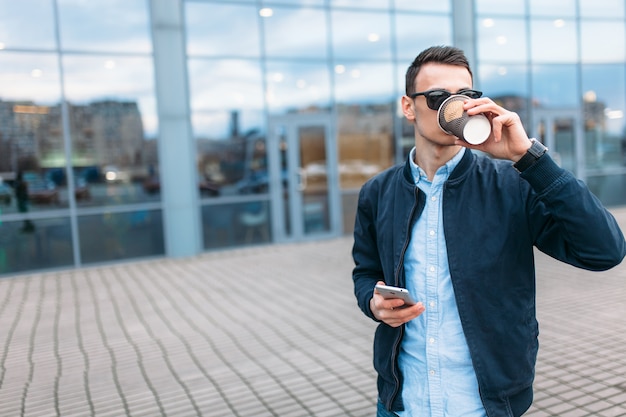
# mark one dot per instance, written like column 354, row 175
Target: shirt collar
column 420, row 175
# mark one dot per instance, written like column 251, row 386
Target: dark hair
column 438, row 54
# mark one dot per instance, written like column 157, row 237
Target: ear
column 408, row 108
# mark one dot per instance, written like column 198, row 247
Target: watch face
column 537, row 149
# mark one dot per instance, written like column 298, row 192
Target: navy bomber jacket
column 493, row 216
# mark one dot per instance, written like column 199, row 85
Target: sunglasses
column 435, row 98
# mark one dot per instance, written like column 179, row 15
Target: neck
column 432, row 157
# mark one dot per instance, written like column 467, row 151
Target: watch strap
column 536, row 151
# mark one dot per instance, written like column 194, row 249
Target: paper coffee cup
column 455, row 121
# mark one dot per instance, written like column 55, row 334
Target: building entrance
column 303, row 171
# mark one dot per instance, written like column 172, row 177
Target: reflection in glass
column 369, row 4
column 113, row 125
column 499, row 7
column 608, row 188
column 506, row 85
column 555, row 86
column 110, row 26
column 601, row 8
column 25, row 26
column 424, row 5
column 553, row 41
column 366, row 103
column 365, row 107
column 31, row 131
column 297, row 87
column 415, row 33
column 602, row 42
column 502, row 40
column 222, row 29
column 361, row 35
column 113, row 236
column 313, row 181
column 230, row 143
column 604, row 110
column 235, row 224
column 306, row 29
column 555, row 8
column 30, row 244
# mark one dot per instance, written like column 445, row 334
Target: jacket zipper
column 396, row 345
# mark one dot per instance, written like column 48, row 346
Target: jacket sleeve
column 368, row 268
column 568, row 222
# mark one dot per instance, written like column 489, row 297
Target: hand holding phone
column 388, row 291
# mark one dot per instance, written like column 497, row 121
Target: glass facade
column 259, row 120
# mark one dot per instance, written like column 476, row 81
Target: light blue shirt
column 439, row 379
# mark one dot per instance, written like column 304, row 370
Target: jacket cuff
column 543, row 174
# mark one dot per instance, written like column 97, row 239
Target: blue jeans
column 381, row 412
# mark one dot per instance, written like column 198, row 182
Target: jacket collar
column 456, row 175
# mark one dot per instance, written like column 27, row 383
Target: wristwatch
column 536, row 151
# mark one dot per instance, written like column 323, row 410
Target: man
column 457, row 229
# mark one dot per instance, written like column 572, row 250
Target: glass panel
column 236, row 224
column 27, row 245
column 298, row 87
column 507, row 85
column 609, row 188
column 109, row 26
column 554, row 41
column 30, row 126
column 417, row 32
column 25, row 26
column 115, row 236
column 424, row 5
column 604, row 109
column 557, row 8
column 293, row 2
column 230, row 143
column 361, row 34
column 498, row 7
column 113, row 124
column 364, row 93
column 222, row 29
column 601, row 8
column 349, row 203
column 602, row 42
column 555, row 86
column 564, row 148
column 314, row 179
column 502, row 40
column 306, row 29
column 370, row 4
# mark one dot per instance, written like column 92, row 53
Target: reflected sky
column 310, row 26
column 30, row 77
column 118, row 78
column 25, row 26
column 105, row 26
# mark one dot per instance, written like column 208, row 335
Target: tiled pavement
column 252, row 332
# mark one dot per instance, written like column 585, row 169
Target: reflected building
column 177, row 127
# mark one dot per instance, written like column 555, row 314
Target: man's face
column 451, row 78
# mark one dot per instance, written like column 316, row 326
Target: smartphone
column 387, row 291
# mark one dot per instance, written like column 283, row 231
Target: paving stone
column 248, row 332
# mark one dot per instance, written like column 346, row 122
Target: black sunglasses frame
column 435, row 98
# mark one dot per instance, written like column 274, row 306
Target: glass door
column 561, row 132
column 303, row 167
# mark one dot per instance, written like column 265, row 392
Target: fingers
column 399, row 315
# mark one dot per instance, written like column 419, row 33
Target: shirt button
column 431, row 269
column 431, row 340
column 433, row 198
column 432, row 372
column 432, row 304
column 432, row 233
